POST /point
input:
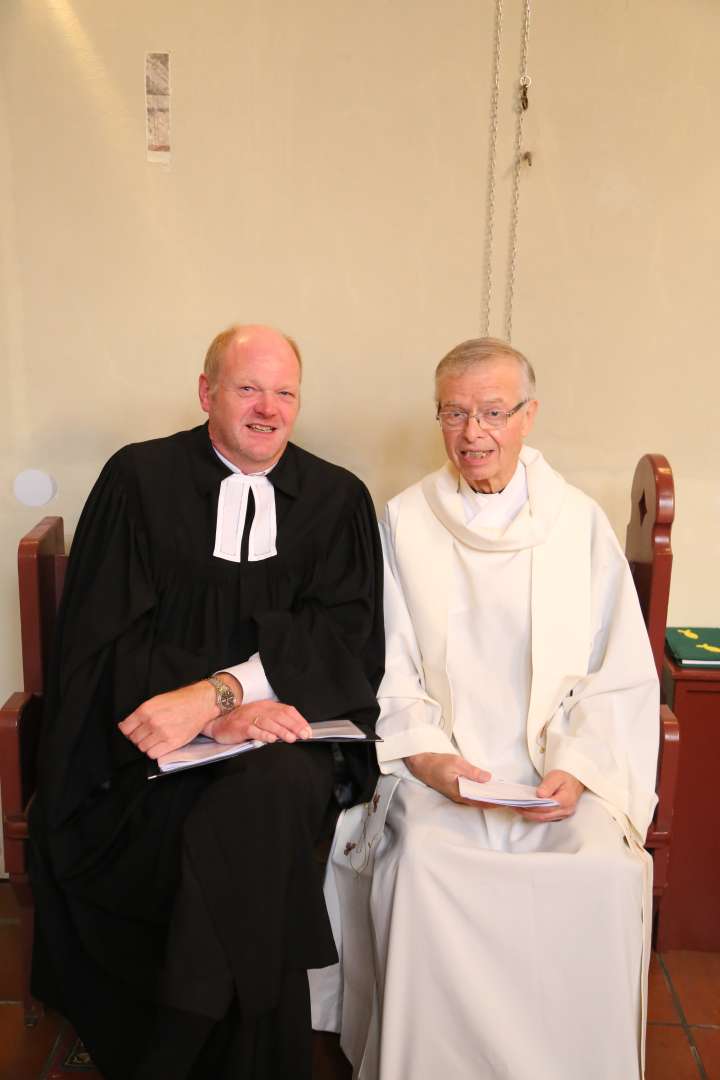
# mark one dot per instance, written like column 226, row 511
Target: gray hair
column 479, row 351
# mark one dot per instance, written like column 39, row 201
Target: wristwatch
column 224, row 694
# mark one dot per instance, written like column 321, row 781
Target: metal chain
column 492, row 148
column 520, row 158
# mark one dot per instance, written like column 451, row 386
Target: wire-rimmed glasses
column 453, row 418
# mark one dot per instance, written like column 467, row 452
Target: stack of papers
column 502, row 793
column 202, row 750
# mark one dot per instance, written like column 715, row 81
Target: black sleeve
column 107, row 590
column 326, row 655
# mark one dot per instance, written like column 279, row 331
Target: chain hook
column 525, row 84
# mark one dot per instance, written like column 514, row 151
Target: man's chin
column 264, row 457
column 256, row 458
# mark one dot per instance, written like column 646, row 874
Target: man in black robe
column 221, row 581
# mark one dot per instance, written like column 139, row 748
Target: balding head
column 252, row 340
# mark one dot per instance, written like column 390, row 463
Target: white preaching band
column 229, row 529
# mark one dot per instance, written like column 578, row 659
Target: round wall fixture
column 33, row 487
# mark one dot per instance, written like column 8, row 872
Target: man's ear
column 529, row 415
column 204, row 392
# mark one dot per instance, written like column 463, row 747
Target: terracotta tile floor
column 683, row 1018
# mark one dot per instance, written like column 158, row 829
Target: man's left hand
column 564, row 788
column 164, row 723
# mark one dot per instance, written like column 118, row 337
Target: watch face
column 224, row 695
column 226, row 698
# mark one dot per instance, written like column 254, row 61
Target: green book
column 694, row 646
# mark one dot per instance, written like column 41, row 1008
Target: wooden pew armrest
column 19, row 730
column 668, row 763
column 12, row 717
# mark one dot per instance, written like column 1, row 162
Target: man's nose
column 265, row 402
column 473, row 427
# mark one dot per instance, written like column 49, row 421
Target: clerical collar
column 495, row 510
column 235, row 469
column 232, row 512
column 207, row 470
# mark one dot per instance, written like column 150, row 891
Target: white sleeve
column 251, row 676
column 410, row 720
column 606, row 733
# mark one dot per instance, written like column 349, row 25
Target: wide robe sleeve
column 410, row 719
column 325, row 654
column 107, row 591
column 606, row 732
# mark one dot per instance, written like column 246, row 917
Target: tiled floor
column 683, row 1030
column 684, row 1017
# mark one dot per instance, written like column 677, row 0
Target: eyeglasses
column 453, row 419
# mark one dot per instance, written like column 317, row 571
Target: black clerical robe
column 218, row 851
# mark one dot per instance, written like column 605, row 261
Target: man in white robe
column 506, row 944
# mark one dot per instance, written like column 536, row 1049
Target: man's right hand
column 164, row 722
column 441, row 771
column 268, row 721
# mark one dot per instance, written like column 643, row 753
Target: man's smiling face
column 487, row 458
column 253, row 405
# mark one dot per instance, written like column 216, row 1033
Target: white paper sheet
column 502, row 793
column 202, row 749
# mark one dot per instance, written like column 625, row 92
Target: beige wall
column 328, row 176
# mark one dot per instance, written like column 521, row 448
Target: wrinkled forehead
column 498, row 379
